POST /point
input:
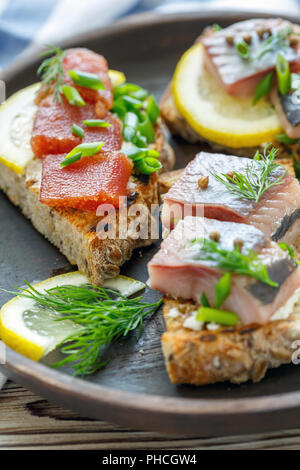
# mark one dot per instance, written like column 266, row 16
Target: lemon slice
column 116, row 77
column 34, row 331
column 216, row 115
column 16, row 121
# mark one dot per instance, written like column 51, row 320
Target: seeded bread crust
column 227, row 354
column 74, row 232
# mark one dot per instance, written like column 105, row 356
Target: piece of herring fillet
column 276, row 214
column 177, row 270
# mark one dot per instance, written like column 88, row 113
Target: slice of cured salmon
column 52, row 128
column 87, row 183
column 84, row 60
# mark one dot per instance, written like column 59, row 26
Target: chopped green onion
column 243, row 49
column 145, row 160
column 140, row 94
column 126, row 89
column 72, row 95
column 85, row 79
column 295, row 81
column 130, row 126
column 263, row 87
column 148, row 165
column 77, row 130
column 96, row 123
column 284, row 139
column 131, row 120
column 132, row 103
column 87, row 149
column 152, row 109
column 283, row 74
column 140, row 140
column 216, row 27
column 119, row 107
column 207, row 315
column 286, row 247
column 204, row 300
column 72, row 159
column 135, row 153
column 146, row 128
column 223, row 289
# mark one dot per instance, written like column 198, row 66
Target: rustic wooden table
column 30, row 422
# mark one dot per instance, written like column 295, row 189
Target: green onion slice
column 283, row 74
column 96, row 123
column 126, row 89
column 146, row 128
column 86, row 149
column 206, row 314
column 243, row 49
column 148, row 165
column 131, row 120
column 288, row 248
column 284, row 139
column 77, row 130
column 72, row 95
column 152, row 109
column 119, row 107
column 263, row 87
column 204, row 300
column 69, row 160
column 132, row 103
column 223, row 289
column 87, row 80
column 140, row 140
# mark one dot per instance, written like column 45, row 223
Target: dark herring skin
column 278, row 272
column 290, row 108
column 286, row 224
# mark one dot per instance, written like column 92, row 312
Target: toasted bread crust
column 234, row 354
column 75, row 232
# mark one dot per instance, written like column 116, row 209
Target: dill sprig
column 257, row 179
column 102, row 317
column 278, row 40
column 52, row 73
column 247, row 263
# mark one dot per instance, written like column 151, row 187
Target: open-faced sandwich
column 80, row 139
column 237, row 88
column 231, row 281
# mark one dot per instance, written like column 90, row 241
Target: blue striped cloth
column 23, row 22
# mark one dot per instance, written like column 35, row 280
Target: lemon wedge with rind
column 33, row 331
column 16, row 121
column 216, row 115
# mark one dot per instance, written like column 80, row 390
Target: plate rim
column 43, row 377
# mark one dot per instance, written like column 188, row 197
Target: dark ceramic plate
column 134, row 389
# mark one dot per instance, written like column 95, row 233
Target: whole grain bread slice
column 74, row 232
column 234, row 354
